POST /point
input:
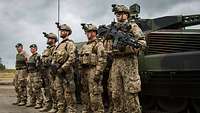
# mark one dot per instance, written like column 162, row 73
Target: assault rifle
column 119, row 34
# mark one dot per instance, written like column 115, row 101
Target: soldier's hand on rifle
column 60, row 71
column 97, row 76
column 134, row 50
column 54, row 68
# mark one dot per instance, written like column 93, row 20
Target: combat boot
column 84, row 111
column 16, row 103
column 30, row 105
column 38, row 106
column 53, row 110
column 22, row 103
column 61, row 109
column 45, row 108
column 71, row 111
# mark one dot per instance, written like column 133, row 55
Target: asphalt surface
column 7, row 97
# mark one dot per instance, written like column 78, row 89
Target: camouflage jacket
column 47, row 56
column 64, row 55
column 93, row 54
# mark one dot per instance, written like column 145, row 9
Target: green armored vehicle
column 170, row 66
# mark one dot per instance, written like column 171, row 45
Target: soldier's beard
column 63, row 36
column 91, row 38
column 49, row 43
column 121, row 20
column 19, row 51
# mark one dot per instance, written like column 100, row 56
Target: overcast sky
column 24, row 20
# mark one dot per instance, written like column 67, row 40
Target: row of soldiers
column 54, row 71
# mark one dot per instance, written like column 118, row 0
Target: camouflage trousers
column 107, row 93
column 125, row 85
column 52, row 82
column 110, row 94
column 46, row 84
column 91, row 92
column 34, row 88
column 65, row 92
column 20, row 84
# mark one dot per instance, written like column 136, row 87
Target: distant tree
column 2, row 67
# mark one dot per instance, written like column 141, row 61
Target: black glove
column 60, row 71
column 60, row 74
column 97, row 76
column 54, row 68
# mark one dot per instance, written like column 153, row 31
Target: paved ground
column 7, row 97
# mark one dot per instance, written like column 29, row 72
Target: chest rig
column 88, row 55
column 47, row 56
column 60, row 54
column 20, row 61
column 33, row 62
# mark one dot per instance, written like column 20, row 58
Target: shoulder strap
column 66, row 42
column 94, row 49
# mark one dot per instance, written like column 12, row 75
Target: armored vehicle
column 170, row 65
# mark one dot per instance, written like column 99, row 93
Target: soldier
column 34, row 81
column 47, row 77
column 92, row 62
column 124, row 77
column 62, row 68
column 20, row 79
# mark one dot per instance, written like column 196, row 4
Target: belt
column 20, row 68
column 32, row 71
column 119, row 55
column 87, row 66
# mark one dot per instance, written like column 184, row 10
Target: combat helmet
column 120, row 8
column 50, row 35
column 33, row 46
column 66, row 28
column 88, row 27
column 53, row 36
column 18, row 45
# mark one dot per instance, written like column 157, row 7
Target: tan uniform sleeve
column 79, row 53
column 50, row 57
column 26, row 55
column 71, row 59
column 101, row 54
column 139, row 35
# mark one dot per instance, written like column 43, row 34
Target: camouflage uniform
column 47, row 77
column 20, row 79
column 34, row 81
column 63, row 60
column 106, row 75
column 92, row 62
column 124, row 78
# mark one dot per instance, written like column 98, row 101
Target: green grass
column 8, row 71
column 7, row 74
